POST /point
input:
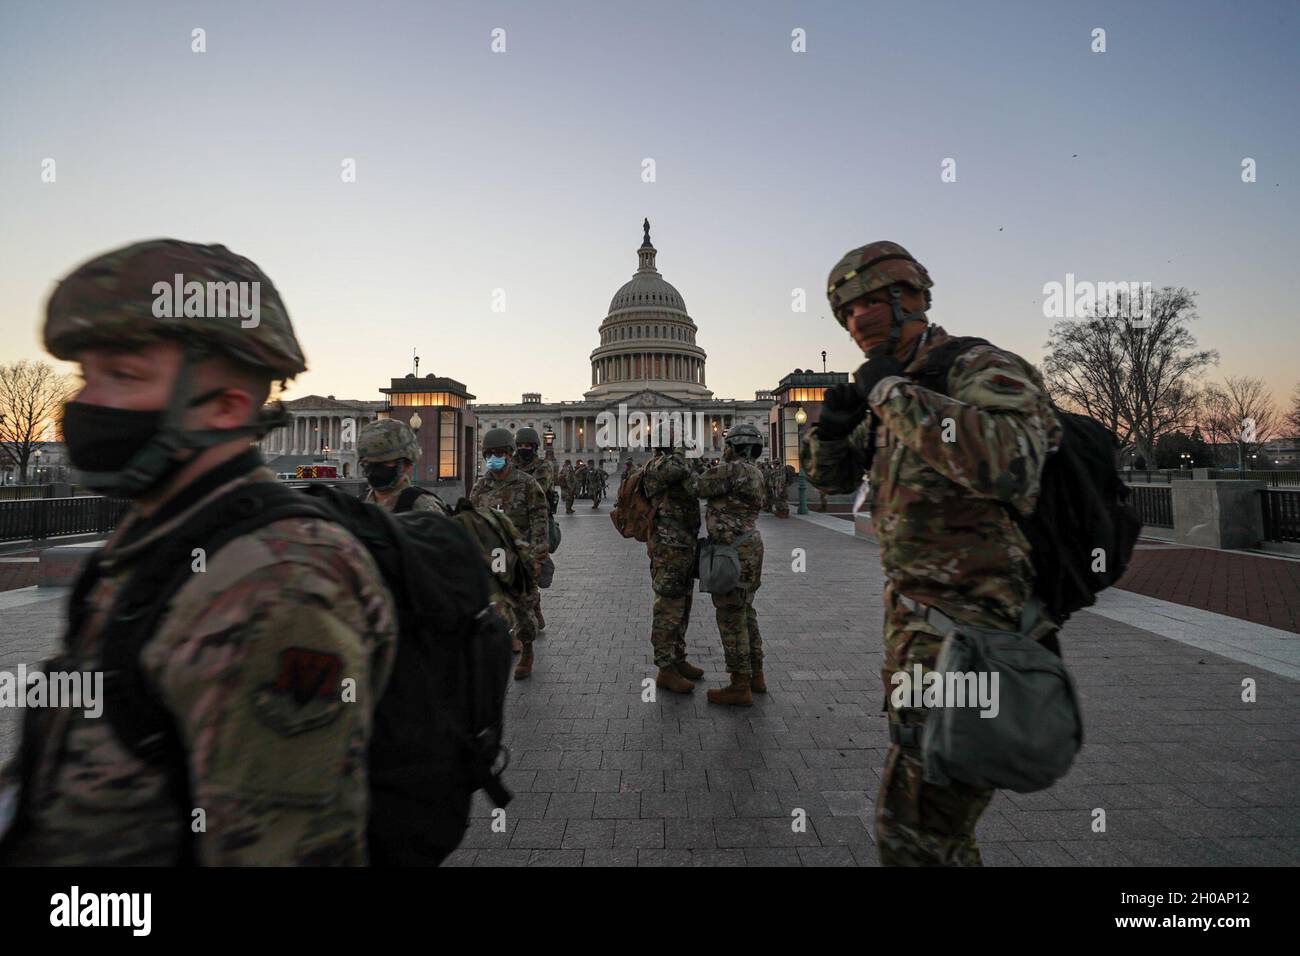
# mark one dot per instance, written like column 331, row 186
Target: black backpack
column 407, row 497
column 1083, row 504
column 437, row 733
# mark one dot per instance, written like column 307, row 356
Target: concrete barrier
column 61, row 564
column 1218, row 514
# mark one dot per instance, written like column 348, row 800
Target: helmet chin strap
column 161, row 457
column 890, row 345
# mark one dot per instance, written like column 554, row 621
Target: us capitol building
column 647, row 361
column 647, row 366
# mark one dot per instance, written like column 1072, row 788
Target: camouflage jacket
column 777, row 479
column 567, row 481
column 522, row 500
column 541, row 471
column 665, row 481
column 388, row 499
column 945, row 468
column 279, row 782
column 735, row 495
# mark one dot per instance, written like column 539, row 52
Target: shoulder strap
column 406, row 500
column 939, row 360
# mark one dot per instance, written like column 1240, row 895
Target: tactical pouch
column 548, row 573
column 553, row 534
column 719, row 566
column 1032, row 740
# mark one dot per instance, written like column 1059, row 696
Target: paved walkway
column 1246, row 586
column 18, row 571
column 1185, row 771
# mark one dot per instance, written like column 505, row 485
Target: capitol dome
column 647, row 339
column 642, row 291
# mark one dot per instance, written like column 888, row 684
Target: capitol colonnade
column 320, row 427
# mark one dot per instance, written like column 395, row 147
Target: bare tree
column 1133, row 367
column 1215, row 420
column 1293, row 416
column 31, row 397
column 1246, row 416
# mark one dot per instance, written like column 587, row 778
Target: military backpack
column 634, row 513
column 1083, row 529
column 438, row 728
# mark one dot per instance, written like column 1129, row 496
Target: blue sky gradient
column 522, row 170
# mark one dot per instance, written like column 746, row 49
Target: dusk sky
column 522, row 170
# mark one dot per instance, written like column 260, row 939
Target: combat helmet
column 166, row 289
column 115, row 300
column 387, row 440
column 741, row 435
column 528, row 436
column 498, row 438
column 877, row 265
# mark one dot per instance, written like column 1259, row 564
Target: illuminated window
column 805, row 395
column 448, row 451
column 449, row 399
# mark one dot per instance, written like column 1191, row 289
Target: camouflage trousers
column 526, row 615
column 742, row 644
column 919, row 823
column 671, row 575
column 568, row 500
column 780, row 505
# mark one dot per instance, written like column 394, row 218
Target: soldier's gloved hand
column 872, row 372
column 842, row 409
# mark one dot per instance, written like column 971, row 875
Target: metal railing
column 1152, row 477
column 1155, row 505
column 20, row 492
column 35, row 519
column 1281, row 514
column 1275, row 479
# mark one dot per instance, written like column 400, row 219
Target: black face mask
column 383, row 475
column 127, row 453
column 103, row 439
column 526, row 454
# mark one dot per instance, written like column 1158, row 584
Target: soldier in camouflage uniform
column 387, row 451
column 734, row 491
column 508, row 489
column 526, row 459
column 778, row 478
column 166, row 417
column 672, row 565
column 943, row 469
column 596, row 481
column 568, row 485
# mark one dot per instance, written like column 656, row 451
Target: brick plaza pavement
column 1246, row 586
column 1186, row 772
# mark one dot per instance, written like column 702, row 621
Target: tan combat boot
column 757, row 683
column 524, row 669
column 736, row 694
column 689, row 670
column 669, row 679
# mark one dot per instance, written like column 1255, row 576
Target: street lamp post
column 37, row 455
column 801, row 419
column 415, row 423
